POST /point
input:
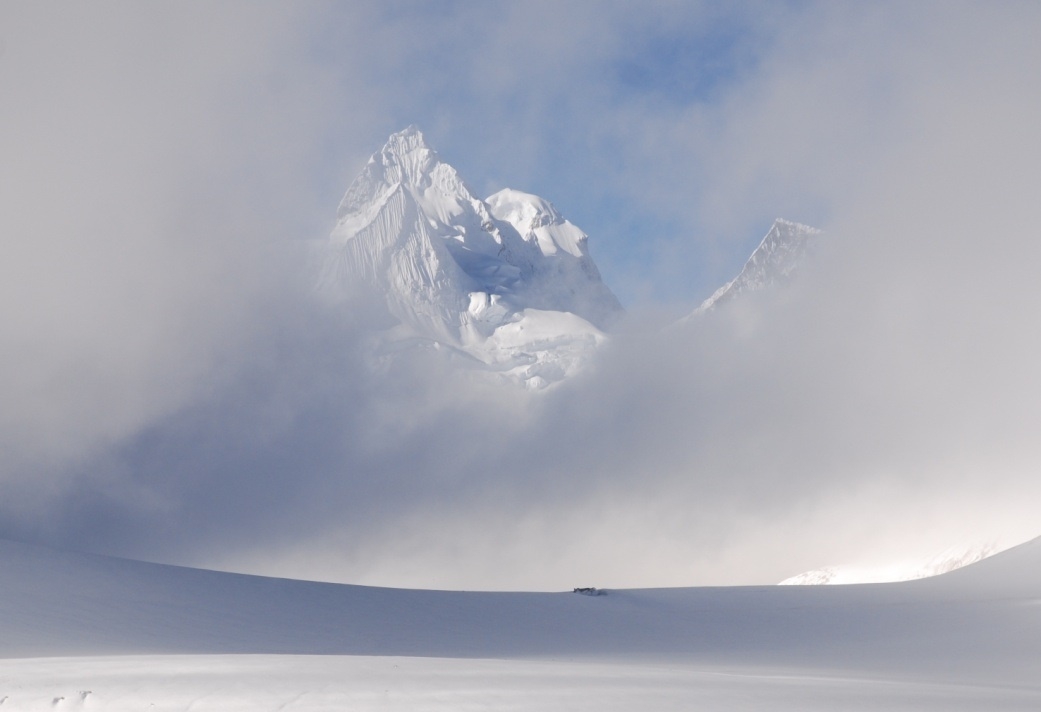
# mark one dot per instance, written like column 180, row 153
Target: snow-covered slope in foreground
column 506, row 282
column 971, row 635
column 299, row 683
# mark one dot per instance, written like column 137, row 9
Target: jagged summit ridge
column 507, row 281
column 774, row 261
column 405, row 158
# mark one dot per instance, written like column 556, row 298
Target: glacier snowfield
column 79, row 631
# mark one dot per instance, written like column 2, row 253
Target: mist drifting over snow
column 171, row 391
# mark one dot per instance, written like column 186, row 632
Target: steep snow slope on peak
column 772, row 262
column 564, row 273
column 492, row 282
column 537, row 219
column 406, row 165
column 405, row 159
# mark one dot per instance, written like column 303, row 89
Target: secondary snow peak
column 777, row 257
column 536, row 219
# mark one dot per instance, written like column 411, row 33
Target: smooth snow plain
column 79, row 631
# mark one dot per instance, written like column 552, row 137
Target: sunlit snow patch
column 950, row 559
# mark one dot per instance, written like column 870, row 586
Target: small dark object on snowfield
column 590, row 591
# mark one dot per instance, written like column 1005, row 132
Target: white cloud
column 166, row 395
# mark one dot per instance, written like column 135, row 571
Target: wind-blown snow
column 471, row 275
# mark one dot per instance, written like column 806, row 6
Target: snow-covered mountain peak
column 508, row 281
column 777, row 257
column 408, row 139
column 405, row 161
column 406, row 158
